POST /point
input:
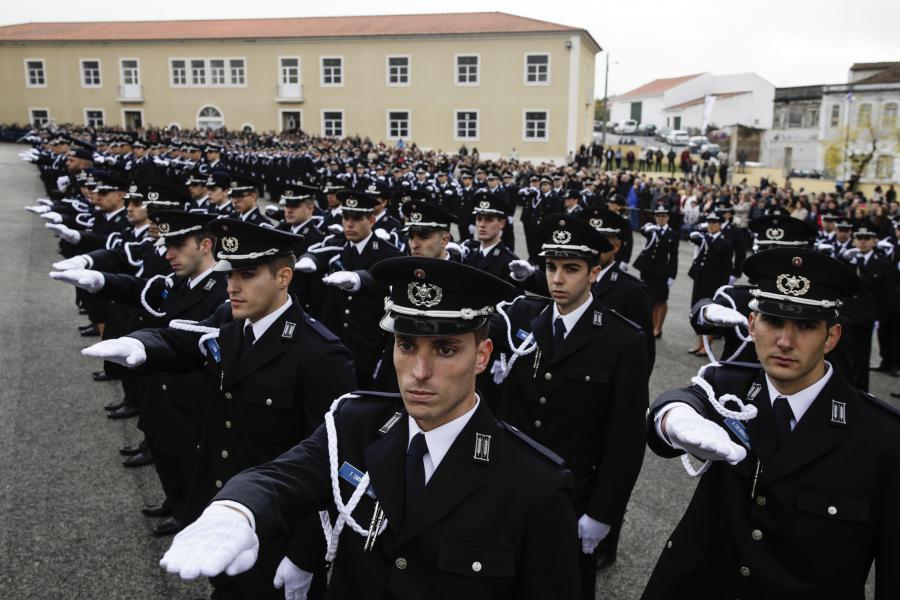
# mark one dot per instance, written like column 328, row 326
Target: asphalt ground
column 70, row 521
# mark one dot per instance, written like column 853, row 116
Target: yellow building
column 493, row 81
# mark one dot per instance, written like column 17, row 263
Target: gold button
column 587, row 378
column 228, row 395
column 224, row 453
column 745, row 571
column 756, row 534
column 400, row 563
column 227, row 424
column 218, row 483
column 268, row 402
column 761, row 500
column 163, row 387
column 542, row 400
column 548, row 376
column 832, row 510
column 537, row 424
column 476, row 566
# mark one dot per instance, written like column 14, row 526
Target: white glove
column 722, row 315
column 124, row 351
column 76, row 262
column 221, row 540
column 732, row 279
column 463, row 251
column 648, row 227
column 591, row 532
column 38, row 209
column 471, row 230
column 848, row 254
column 44, row 202
column 701, row 437
column 670, row 282
column 886, row 246
column 305, row 265
column 52, row 217
column 92, row 281
column 823, row 247
column 696, row 236
column 346, row 280
column 336, row 228
column 62, row 182
column 64, row 233
column 296, row 581
column 520, row 270
column 383, row 235
column 497, row 371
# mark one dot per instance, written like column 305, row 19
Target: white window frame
column 456, row 80
column 122, row 70
column 209, row 72
column 137, row 110
column 525, row 69
column 190, row 72
column 546, row 137
column 456, row 137
column 84, row 82
column 204, row 105
column 299, row 70
column 387, row 122
column 102, row 112
column 31, row 110
column 387, row 70
column 248, row 124
column 28, row 83
column 281, row 112
column 187, row 80
column 343, row 121
column 228, row 71
column 322, row 72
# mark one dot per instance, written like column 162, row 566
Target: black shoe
column 84, row 327
column 126, row 412
column 881, row 367
column 895, row 394
column 102, row 376
column 91, row 331
column 114, row 405
column 170, row 526
column 604, row 560
column 132, row 450
column 141, row 459
column 160, row 510
column 895, row 373
column 82, row 311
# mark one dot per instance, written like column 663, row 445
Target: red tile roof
column 700, row 100
column 891, row 75
column 658, row 86
column 312, row 27
column 873, row 66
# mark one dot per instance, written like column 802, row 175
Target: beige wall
column 432, row 96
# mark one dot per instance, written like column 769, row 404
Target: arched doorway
column 210, row 117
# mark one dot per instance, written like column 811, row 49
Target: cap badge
column 485, row 204
column 351, row 203
column 419, row 273
column 132, row 189
column 372, row 189
column 289, row 193
column 792, row 285
column 596, row 223
column 234, row 184
column 424, row 294
column 229, row 244
column 415, row 217
column 774, row 233
column 561, row 237
column 797, row 262
column 210, row 181
column 164, row 228
column 153, row 196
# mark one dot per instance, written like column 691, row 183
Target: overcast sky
column 788, row 42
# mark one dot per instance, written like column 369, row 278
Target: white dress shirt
column 260, row 326
column 192, row 283
column 246, row 215
column 109, row 216
column 361, row 245
column 486, row 251
column 440, row 438
column 571, row 319
column 802, row 400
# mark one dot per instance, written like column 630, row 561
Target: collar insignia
column 288, row 331
column 838, row 412
column 390, row 422
column 482, row 447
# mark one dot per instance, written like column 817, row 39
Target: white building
column 678, row 102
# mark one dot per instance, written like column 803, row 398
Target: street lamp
column 606, row 100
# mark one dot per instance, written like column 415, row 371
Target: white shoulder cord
column 168, row 282
column 333, row 532
column 528, row 346
column 209, row 333
column 720, row 293
column 131, row 260
column 746, row 412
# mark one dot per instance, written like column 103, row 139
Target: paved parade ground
column 70, row 524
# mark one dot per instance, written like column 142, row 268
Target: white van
column 629, row 126
column 678, row 137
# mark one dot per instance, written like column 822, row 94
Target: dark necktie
column 783, row 415
column 559, row 334
column 249, row 338
column 415, row 471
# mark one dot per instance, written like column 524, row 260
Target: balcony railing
column 289, row 92
column 132, row 92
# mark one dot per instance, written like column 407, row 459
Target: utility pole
column 605, row 114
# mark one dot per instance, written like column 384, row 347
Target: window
column 238, row 73
column 889, row 115
column 210, row 117
column 90, row 73
column 179, row 72
column 535, row 126
column 398, row 70
column 332, row 71
column 217, row 71
column 198, row 71
column 795, row 116
column 39, row 117
column 466, row 125
column 811, row 117
column 884, row 167
column 93, row 117
column 467, row 69
column 864, row 115
column 34, row 73
column 130, row 72
column 537, row 69
column 398, row 124
column 333, row 123
column 835, row 115
column 290, row 70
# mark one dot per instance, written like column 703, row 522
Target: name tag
column 520, row 334
column 353, row 476
column 213, row 346
column 738, row 429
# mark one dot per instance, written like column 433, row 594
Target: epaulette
column 323, row 331
column 880, row 403
column 542, row 450
column 376, row 394
column 626, row 320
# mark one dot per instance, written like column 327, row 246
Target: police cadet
column 196, row 184
column 803, row 476
column 243, row 194
column 299, row 205
column 619, row 205
column 578, row 383
column 538, row 204
column 434, row 497
column 218, row 183
column 487, row 252
column 658, row 264
column 712, row 266
column 274, row 371
column 427, row 230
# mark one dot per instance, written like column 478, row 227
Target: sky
column 788, row 42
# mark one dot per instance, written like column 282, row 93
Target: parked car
column 662, row 134
column 647, row 129
column 626, row 127
column 678, row 137
column 713, row 149
column 695, row 141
